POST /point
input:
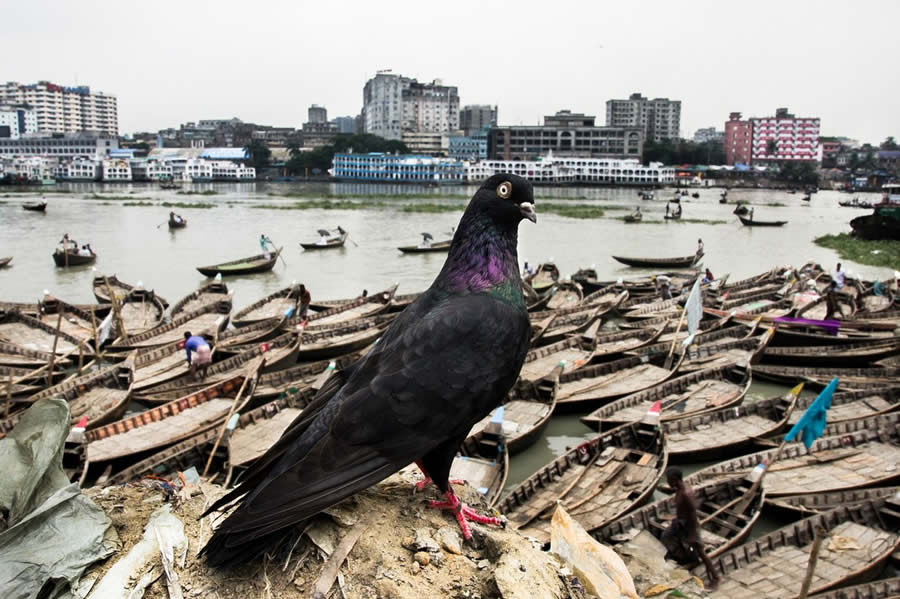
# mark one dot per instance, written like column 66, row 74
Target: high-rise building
column 737, row 140
column 317, row 114
column 784, row 137
column 475, row 117
column 345, row 124
column 708, row 134
column 780, row 138
column 65, row 109
column 17, row 120
column 660, row 118
column 565, row 134
column 393, row 104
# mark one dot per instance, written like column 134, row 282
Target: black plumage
column 444, row 364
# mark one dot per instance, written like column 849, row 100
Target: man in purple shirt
column 199, row 355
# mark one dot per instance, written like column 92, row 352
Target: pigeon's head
column 506, row 199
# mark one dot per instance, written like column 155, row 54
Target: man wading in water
column 682, row 537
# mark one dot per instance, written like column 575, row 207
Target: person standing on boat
column 699, row 247
column 682, row 537
column 663, row 286
column 199, row 354
column 838, row 277
column 264, row 244
column 751, row 214
column 305, row 300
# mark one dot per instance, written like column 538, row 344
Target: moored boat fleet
column 659, row 387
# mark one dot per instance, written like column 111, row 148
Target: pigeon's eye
column 504, row 190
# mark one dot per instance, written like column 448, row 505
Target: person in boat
column 699, row 247
column 199, row 354
column 667, row 209
column 838, row 277
column 664, row 287
column 323, row 237
column 340, row 231
column 678, row 211
column 833, row 310
column 426, row 241
column 707, row 277
column 682, row 537
column 751, row 214
column 637, row 212
column 365, row 293
column 175, row 218
column 85, row 251
column 305, row 300
column 529, row 270
column 264, row 244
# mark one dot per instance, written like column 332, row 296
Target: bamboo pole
column 252, row 373
column 668, row 362
column 819, row 531
column 53, row 352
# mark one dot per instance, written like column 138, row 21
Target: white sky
column 267, row 61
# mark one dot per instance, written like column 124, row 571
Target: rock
column 423, row 542
column 422, row 558
column 449, row 540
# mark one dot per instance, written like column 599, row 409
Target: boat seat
column 718, row 521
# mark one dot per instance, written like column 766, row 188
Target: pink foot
column 420, row 486
column 464, row 514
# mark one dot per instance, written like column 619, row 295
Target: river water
column 134, row 243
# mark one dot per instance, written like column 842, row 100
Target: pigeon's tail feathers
column 229, row 550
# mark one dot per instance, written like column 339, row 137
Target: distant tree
column 259, row 154
column 889, row 144
column 683, row 151
column 322, row 158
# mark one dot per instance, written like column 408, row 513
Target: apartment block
column 60, row 109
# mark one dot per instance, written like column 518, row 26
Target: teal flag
column 812, row 423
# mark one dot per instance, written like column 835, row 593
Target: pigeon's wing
column 428, row 382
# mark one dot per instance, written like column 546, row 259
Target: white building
column 17, row 120
column 62, row 109
column 224, row 170
column 68, row 145
column 431, row 144
column 393, row 104
column 553, row 170
column 33, row 168
column 660, row 118
column 116, row 169
column 151, row 170
column 78, row 169
column 197, row 169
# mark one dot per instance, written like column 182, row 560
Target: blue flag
column 812, row 423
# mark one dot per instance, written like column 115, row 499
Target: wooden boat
column 680, row 262
column 654, row 309
column 351, row 337
column 75, row 321
column 361, row 307
column 34, row 334
column 177, row 224
column 683, row 397
column 817, row 378
column 257, row 332
column 99, row 396
column 156, row 365
column 437, row 246
column 140, row 311
column 483, row 462
column 864, row 453
column 600, row 384
column 29, row 382
column 242, row 266
column 279, row 353
column 214, row 291
column 727, row 432
column 35, row 206
column 761, row 223
column 569, row 354
column 381, row 319
column 526, row 413
column 861, row 537
column 204, row 320
column 619, row 342
column 119, row 288
column 843, row 354
column 720, row 527
column 609, row 295
column 803, row 506
column 289, row 381
column 885, row 588
column 166, row 424
column 13, row 354
column 579, row 321
column 274, row 305
column 566, row 295
column 853, row 405
column 544, row 278
column 597, row 482
column 330, row 244
column 400, row 301
column 635, row 217
column 5, row 261
column 69, row 257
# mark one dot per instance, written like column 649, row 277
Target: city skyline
column 267, row 70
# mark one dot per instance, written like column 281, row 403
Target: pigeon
column 444, row 364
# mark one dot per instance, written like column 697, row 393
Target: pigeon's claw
column 464, row 514
column 420, row 486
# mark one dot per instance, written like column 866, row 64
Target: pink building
column 737, row 140
column 784, row 138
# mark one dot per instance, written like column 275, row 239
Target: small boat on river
column 748, row 222
column 326, row 242
column 679, row 262
column 428, row 245
column 243, row 266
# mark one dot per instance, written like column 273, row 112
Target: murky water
column 134, row 243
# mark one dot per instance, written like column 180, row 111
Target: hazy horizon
column 169, row 63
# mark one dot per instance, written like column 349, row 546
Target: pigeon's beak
column 527, row 210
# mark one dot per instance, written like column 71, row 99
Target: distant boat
column 680, row 262
column 329, row 244
column 633, row 218
column 35, row 206
column 177, row 222
column 169, row 185
column 427, row 246
column 243, row 266
column 696, row 194
column 740, row 209
column 73, row 257
column 761, row 223
column 5, row 261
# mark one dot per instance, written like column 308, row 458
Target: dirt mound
column 402, row 550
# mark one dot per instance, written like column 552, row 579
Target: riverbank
column 871, row 253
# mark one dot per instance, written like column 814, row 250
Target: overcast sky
column 267, row 61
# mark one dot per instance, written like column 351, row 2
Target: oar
column 351, row 241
